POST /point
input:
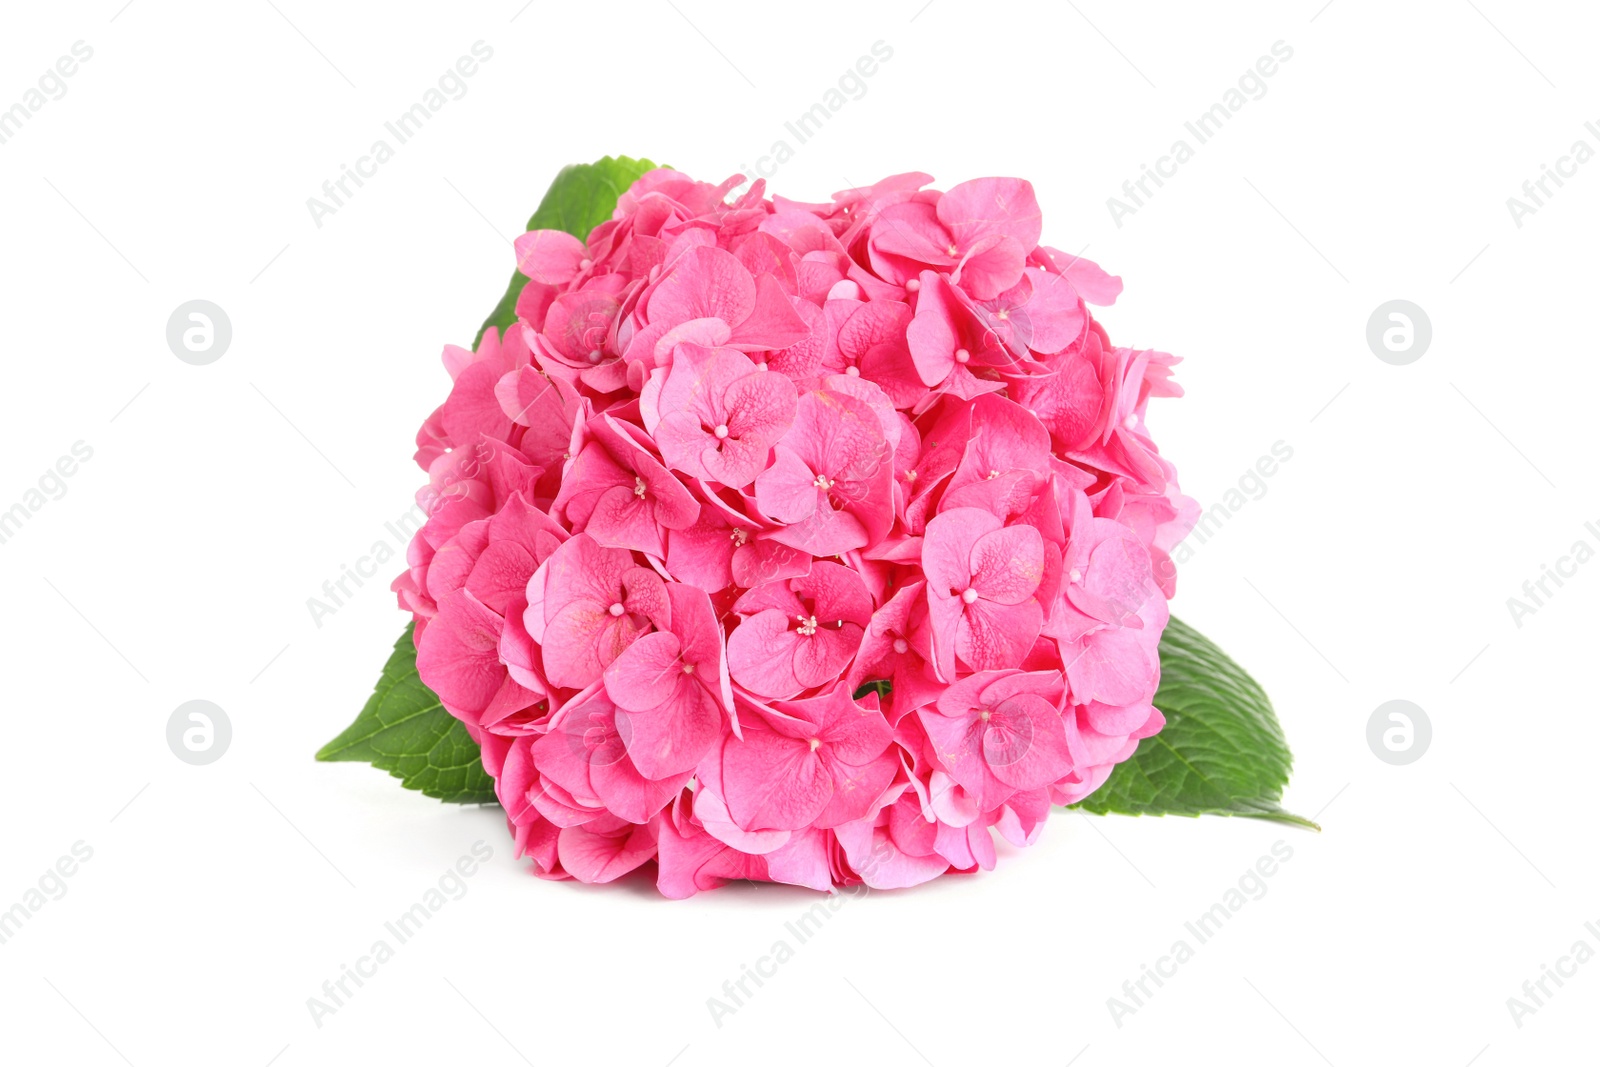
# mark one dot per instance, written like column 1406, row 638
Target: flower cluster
column 796, row 542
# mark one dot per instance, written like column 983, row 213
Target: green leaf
column 1222, row 751
column 582, row 197
column 405, row 730
column 881, row 686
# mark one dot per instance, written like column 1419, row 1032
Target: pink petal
column 1025, row 744
column 985, row 206
column 761, row 655
column 706, row 283
column 550, row 257
column 772, row 323
column 647, row 674
column 786, row 491
column 672, row 738
column 458, row 654
column 880, row 864
column 1007, row 564
column 996, row 636
column 773, row 782
column 604, row 854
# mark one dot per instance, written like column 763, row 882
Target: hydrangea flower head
column 805, row 543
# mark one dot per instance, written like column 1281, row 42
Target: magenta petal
column 702, row 555
column 646, row 674
column 786, row 491
column 550, row 257
column 501, row 574
column 996, row 636
column 880, row 864
column 1025, row 744
column 707, row 283
column 857, row 789
column 1114, row 667
column 712, row 811
column 458, row 654
column 674, row 736
column 985, row 206
column 803, row 860
column 772, row 323
column 630, row 795
column 759, row 410
column 602, row 853
column 823, row 656
column 1008, row 564
column 761, row 655
column 958, row 742
column 773, row 782
column 582, row 640
column 1111, row 719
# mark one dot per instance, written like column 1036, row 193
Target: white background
column 219, row 498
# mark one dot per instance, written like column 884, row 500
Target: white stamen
column 616, row 610
column 721, row 431
column 688, row 668
column 993, row 475
column 969, row 595
column 984, row 714
column 823, row 482
column 913, row 285
column 953, row 250
column 816, row 743
column 585, row 264
column 853, row 372
column 808, row 624
column 900, row 645
column 739, row 535
column 962, row 355
column 638, row 487
column 594, row 355
column 1075, row 575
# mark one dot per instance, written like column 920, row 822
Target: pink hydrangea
column 806, row 543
